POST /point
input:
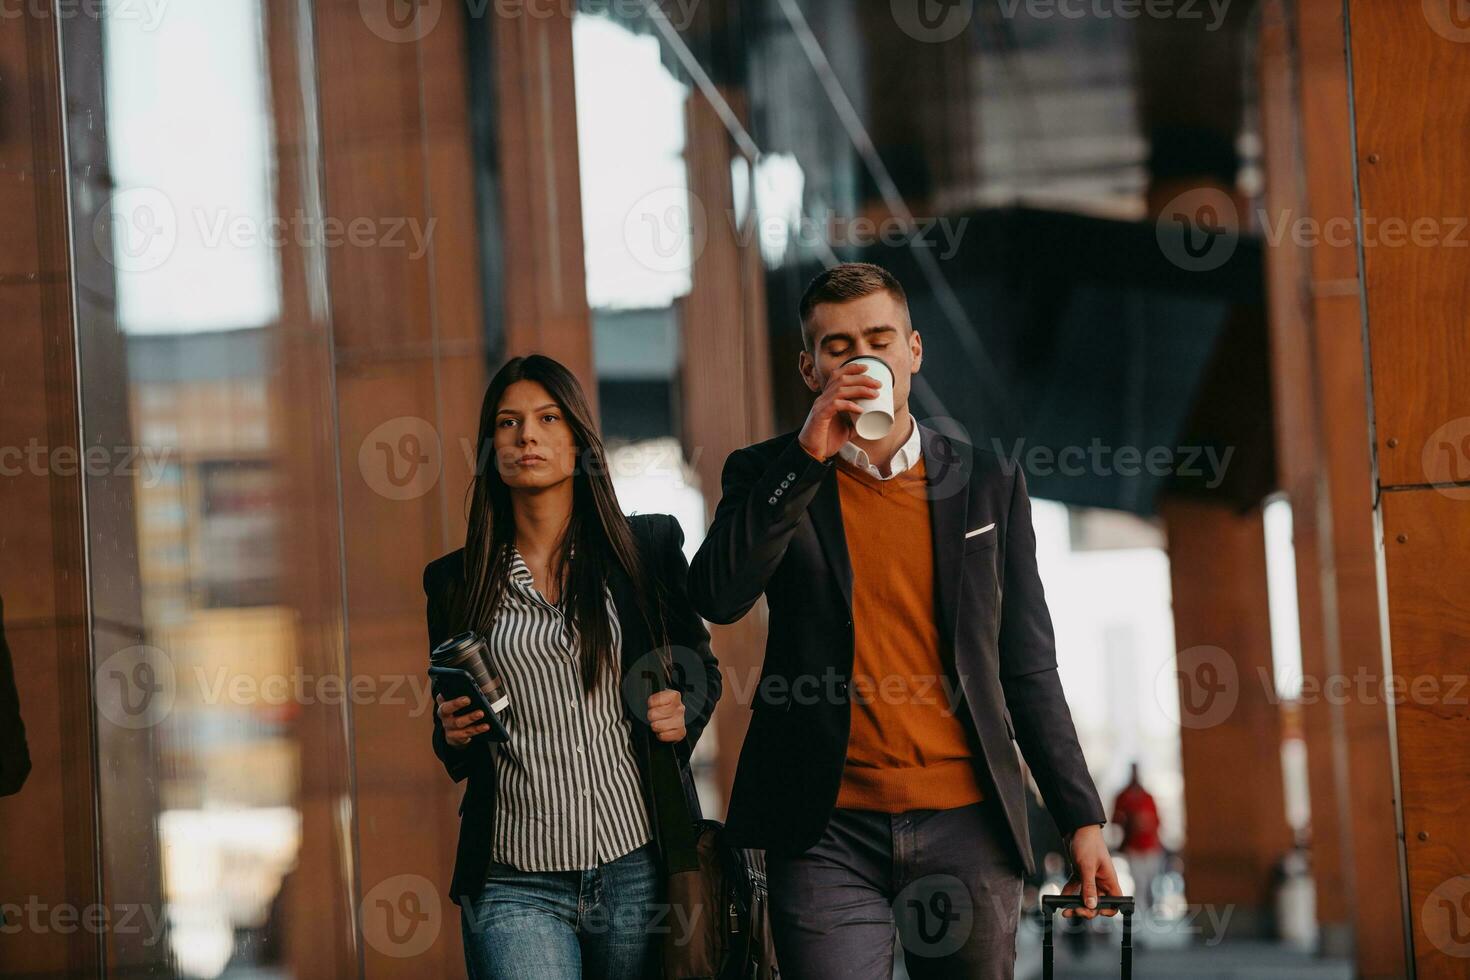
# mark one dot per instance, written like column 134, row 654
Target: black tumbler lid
column 455, row 644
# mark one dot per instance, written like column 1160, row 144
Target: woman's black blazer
column 660, row 543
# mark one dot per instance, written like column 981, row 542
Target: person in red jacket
column 1136, row 812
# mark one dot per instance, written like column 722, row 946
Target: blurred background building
column 1200, row 268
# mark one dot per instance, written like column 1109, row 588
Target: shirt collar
column 520, row 572
column 907, row 455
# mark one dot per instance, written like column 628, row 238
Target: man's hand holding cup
column 829, row 424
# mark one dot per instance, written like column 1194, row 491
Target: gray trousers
column 949, row 881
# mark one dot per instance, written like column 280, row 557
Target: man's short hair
column 843, row 282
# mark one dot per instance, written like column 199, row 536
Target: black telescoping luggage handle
column 1051, row 903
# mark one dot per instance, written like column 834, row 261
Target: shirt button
column 790, row 476
column 579, row 748
column 771, row 501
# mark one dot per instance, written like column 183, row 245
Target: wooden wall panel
column 1299, row 463
column 1325, row 460
column 1412, row 98
column 1411, row 103
column 1427, row 535
column 1349, row 565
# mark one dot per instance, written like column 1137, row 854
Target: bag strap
column 678, row 835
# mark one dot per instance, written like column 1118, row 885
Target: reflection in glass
column 190, row 154
column 200, row 799
column 641, row 242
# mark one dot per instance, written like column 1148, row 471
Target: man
column 909, row 644
column 1136, row 812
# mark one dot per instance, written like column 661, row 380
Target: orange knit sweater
column 908, row 748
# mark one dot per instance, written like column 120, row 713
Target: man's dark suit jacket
column 778, row 530
column 663, row 766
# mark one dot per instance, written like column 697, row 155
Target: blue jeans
column 565, row 925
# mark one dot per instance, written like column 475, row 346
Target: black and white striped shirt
column 569, row 793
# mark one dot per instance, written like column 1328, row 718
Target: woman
column 558, row 870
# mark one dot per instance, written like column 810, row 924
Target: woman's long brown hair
column 597, row 529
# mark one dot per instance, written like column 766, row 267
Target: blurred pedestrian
column 1138, row 815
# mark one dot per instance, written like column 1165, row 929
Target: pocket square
column 979, row 530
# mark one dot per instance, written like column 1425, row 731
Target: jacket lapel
column 826, row 515
column 947, row 475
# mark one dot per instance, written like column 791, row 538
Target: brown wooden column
column 1349, row 568
column 410, row 362
column 1229, row 720
column 1235, row 828
column 48, row 857
column 726, row 373
column 1348, row 565
column 1299, row 459
column 541, row 203
column 1411, row 166
column 407, row 353
column 1318, row 362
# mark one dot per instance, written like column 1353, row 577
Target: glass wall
column 280, row 325
column 196, row 180
column 640, row 252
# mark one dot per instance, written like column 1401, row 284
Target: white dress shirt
column 907, row 455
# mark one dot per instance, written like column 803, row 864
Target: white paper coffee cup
column 876, row 417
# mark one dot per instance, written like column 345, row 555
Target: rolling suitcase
column 1051, row 903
